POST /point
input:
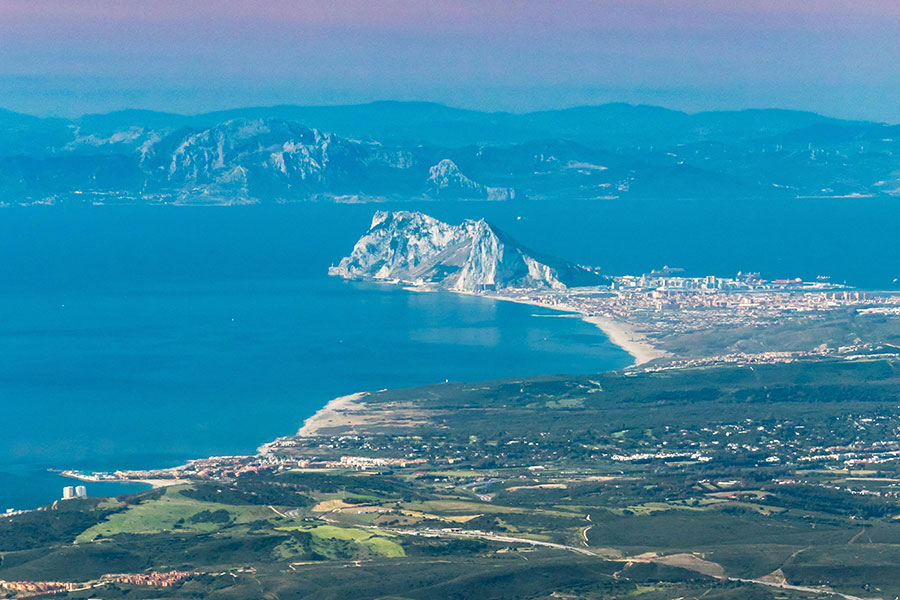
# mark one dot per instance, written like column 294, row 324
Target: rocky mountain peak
column 416, row 249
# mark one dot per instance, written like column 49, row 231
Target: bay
column 142, row 376
column 137, row 337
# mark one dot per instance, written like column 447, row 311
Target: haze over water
column 137, row 337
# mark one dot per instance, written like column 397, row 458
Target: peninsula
column 662, row 318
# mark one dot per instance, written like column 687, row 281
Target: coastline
column 623, row 335
column 154, row 483
column 328, row 415
column 620, row 333
column 338, row 412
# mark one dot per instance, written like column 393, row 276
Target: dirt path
column 857, row 536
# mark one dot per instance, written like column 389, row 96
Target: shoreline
column 627, row 338
column 89, row 478
column 620, row 333
column 328, row 414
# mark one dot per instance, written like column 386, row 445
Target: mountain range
column 416, row 249
column 401, row 151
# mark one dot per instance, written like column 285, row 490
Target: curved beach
column 331, row 414
column 620, row 333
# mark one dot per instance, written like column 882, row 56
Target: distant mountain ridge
column 416, row 249
column 244, row 160
column 400, row 151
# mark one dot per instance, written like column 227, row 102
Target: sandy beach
column 90, row 478
column 329, row 415
column 623, row 335
column 620, row 333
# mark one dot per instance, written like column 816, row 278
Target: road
column 491, row 536
column 487, row 535
column 584, row 531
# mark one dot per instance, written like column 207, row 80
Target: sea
column 144, row 336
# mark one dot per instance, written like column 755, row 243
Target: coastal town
column 647, row 314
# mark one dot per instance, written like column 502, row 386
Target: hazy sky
column 66, row 57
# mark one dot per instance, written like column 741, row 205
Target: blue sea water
column 137, row 337
column 119, row 353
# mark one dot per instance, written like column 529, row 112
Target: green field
column 170, row 512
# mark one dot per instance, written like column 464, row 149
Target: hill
column 413, row 248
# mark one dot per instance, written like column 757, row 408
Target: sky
column 69, row 57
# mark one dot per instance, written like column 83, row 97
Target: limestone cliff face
column 417, row 249
column 241, row 161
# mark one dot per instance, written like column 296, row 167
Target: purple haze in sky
column 66, row 57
